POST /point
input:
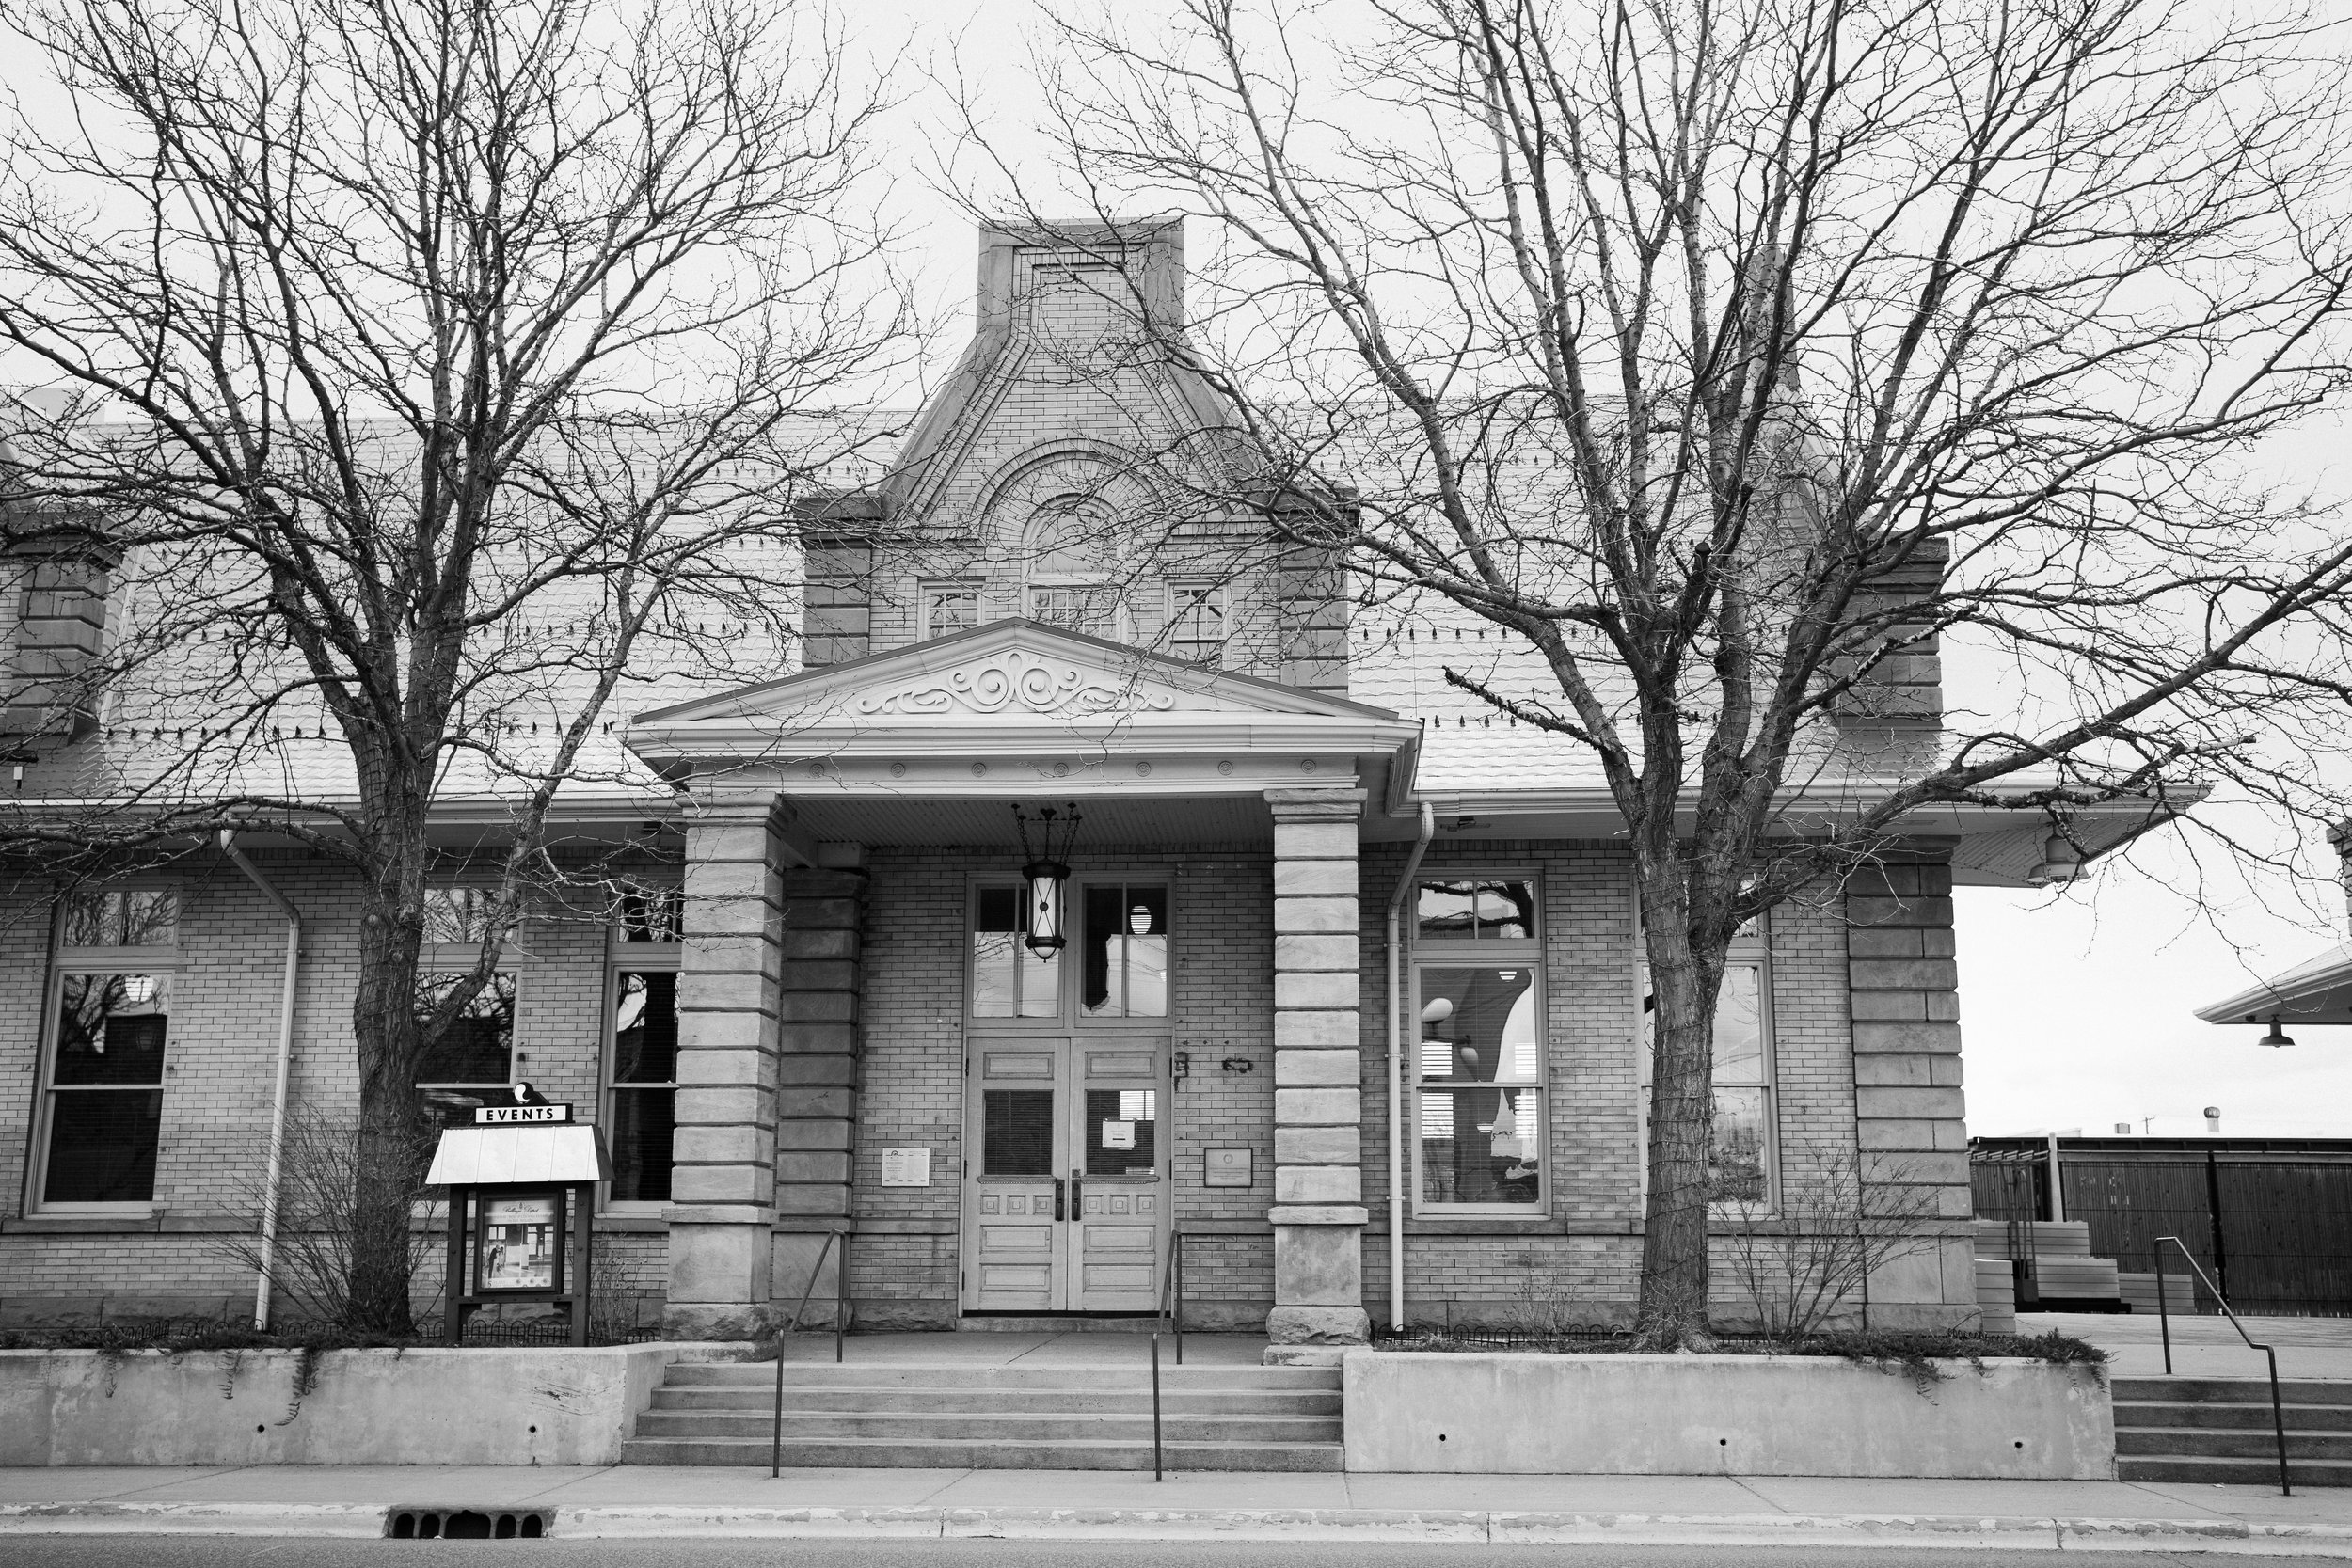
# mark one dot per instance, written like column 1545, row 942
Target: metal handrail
column 2164, row 1319
column 840, row 1312
column 1173, row 1289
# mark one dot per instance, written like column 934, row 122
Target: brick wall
column 219, row 1064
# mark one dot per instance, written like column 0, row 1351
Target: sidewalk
column 2206, row 1346
column 651, row 1502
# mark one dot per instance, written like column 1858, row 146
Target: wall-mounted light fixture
column 2060, row 861
column 1045, row 869
column 2276, row 1035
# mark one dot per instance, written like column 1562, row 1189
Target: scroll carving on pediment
column 1016, row 681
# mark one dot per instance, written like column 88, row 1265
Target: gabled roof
column 2317, row 991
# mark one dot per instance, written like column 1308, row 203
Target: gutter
column 285, row 1066
column 1396, row 1068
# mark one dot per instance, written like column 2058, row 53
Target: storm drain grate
column 466, row 1524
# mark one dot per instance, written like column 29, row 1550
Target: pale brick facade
column 839, row 830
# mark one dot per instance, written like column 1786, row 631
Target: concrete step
column 2231, row 1418
column 2179, row 1443
column 917, row 1425
column 2051, row 1237
column 1190, row 1401
column 2229, row 1391
column 827, row 1374
column 884, row 1453
column 2236, row 1472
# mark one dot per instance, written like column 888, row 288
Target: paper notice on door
column 1118, row 1135
column 906, row 1167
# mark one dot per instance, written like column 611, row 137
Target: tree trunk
column 1683, row 982
column 393, row 1135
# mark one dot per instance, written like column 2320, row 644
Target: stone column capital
column 1316, row 805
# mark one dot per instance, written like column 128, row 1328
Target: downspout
column 285, row 1065
column 1396, row 1069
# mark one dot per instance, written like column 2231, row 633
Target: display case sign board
column 522, row 1185
column 906, row 1167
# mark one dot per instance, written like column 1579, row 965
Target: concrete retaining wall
column 523, row 1406
column 1738, row 1415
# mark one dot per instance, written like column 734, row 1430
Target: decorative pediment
column 1016, row 681
column 1014, row 672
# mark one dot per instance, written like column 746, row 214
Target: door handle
column 1057, row 1197
column 1077, row 1195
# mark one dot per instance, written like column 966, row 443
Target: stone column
column 1903, row 981
column 818, row 1070
column 1318, row 1213
column 721, row 1188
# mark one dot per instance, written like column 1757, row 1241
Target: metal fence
column 2269, row 1219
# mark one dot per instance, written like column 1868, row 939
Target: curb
column 647, row 1522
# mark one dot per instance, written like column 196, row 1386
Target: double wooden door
column 1066, row 1185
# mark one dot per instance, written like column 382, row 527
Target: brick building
column 858, row 1028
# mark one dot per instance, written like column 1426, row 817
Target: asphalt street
column 234, row 1552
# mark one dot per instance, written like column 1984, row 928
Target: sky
column 2076, row 1003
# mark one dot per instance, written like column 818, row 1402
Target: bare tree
column 1810, row 1257
column 316, row 1261
column 1733, row 358
column 424, row 374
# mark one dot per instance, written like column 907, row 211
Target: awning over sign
column 2318, row 990
column 521, row 1156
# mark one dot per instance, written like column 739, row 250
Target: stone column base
column 694, row 1320
column 1318, row 1326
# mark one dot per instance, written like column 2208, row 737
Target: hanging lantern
column 1046, row 870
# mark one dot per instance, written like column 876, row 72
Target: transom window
column 1476, row 909
column 121, row 917
column 456, row 915
column 1125, row 969
column 1009, row 980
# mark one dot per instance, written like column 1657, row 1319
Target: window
column 1007, row 980
column 474, row 1059
column 1476, row 910
column 1196, row 621
column 1480, row 1071
column 949, row 608
column 102, row 1084
column 644, row 1083
column 651, row 915
column 105, row 1093
column 1070, row 567
column 121, row 917
column 1080, row 609
column 1125, row 959
column 1740, row 1170
column 1743, row 1159
column 457, row 915
column 1122, row 1132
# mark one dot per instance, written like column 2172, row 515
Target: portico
column 868, row 1042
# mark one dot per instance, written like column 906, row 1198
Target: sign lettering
column 504, row 1116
